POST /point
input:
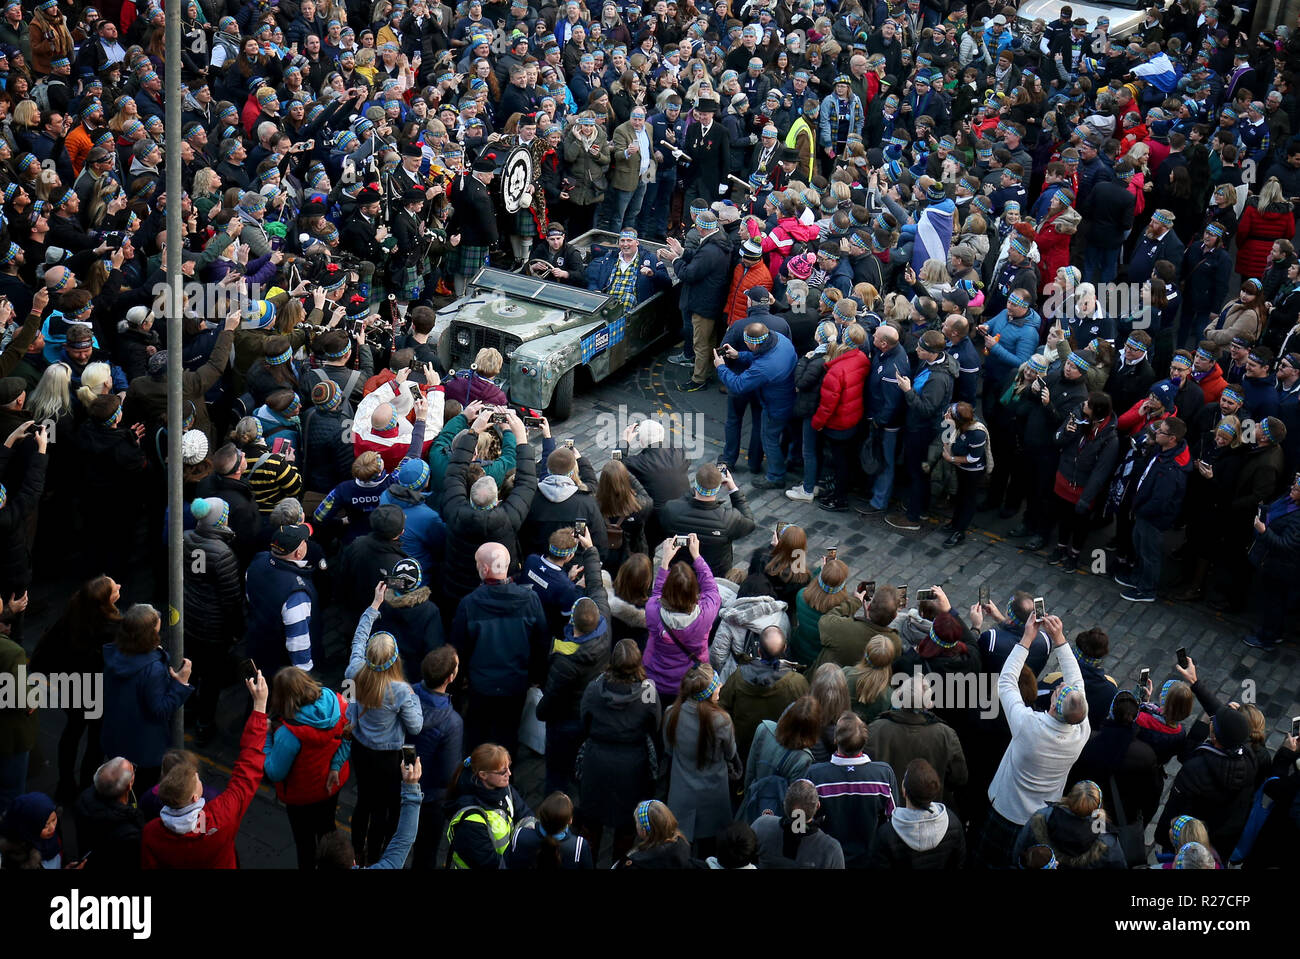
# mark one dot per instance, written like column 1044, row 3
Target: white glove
column 753, row 138
column 722, row 190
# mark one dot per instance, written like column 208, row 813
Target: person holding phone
column 307, row 756
column 384, row 712
column 679, row 615
column 1276, row 557
column 194, row 832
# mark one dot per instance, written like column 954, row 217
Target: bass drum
column 517, row 180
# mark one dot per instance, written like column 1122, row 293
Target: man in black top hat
column 554, row 259
column 407, row 174
column 708, row 144
column 363, row 234
column 473, row 224
column 408, row 259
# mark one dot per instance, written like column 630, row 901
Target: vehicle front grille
column 480, row 338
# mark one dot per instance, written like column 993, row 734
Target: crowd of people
column 1021, row 267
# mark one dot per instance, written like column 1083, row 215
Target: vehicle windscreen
column 537, row 291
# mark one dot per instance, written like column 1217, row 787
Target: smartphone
column 831, row 551
column 723, row 469
column 1143, row 678
column 867, row 588
column 1040, row 608
column 616, row 454
column 568, row 444
column 924, row 594
column 408, row 755
column 248, row 669
column 1263, row 512
column 985, row 596
column 902, row 596
column 579, row 527
column 1182, row 657
column 1295, row 725
column 681, row 542
column 498, row 418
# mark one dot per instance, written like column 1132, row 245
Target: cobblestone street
column 1142, row 635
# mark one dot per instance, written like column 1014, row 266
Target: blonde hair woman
column 384, row 711
column 1057, row 826
column 868, row 681
column 51, row 400
column 96, row 380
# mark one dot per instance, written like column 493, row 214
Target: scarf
column 187, row 819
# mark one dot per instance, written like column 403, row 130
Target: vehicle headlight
column 462, row 337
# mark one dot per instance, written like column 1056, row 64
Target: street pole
column 175, row 309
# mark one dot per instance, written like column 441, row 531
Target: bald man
column 763, row 369
column 887, row 409
column 500, row 633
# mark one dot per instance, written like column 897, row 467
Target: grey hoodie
column 557, row 489
column 921, row 829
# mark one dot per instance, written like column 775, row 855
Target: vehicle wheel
column 561, row 400
column 444, row 348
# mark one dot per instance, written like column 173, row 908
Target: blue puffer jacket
column 1017, row 345
column 425, row 534
column 771, row 373
column 140, row 698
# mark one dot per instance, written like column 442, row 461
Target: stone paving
column 1142, row 635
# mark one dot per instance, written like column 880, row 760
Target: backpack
column 766, row 794
column 614, row 532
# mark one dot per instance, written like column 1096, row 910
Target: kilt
column 407, row 282
column 525, row 225
column 466, row 260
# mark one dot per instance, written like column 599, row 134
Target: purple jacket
column 467, row 386
column 665, row 663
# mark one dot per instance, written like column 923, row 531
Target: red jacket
column 305, row 783
column 1133, row 422
column 1053, row 251
column 1213, row 384
column 160, row 848
column 1255, row 235
column 737, row 301
column 841, row 404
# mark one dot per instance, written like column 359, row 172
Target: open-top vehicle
column 547, row 332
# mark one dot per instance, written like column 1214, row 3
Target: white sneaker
column 800, row 494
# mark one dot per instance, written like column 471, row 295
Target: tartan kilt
column 525, row 225
column 407, row 282
column 466, row 260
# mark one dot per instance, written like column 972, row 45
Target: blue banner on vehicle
column 598, row 341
